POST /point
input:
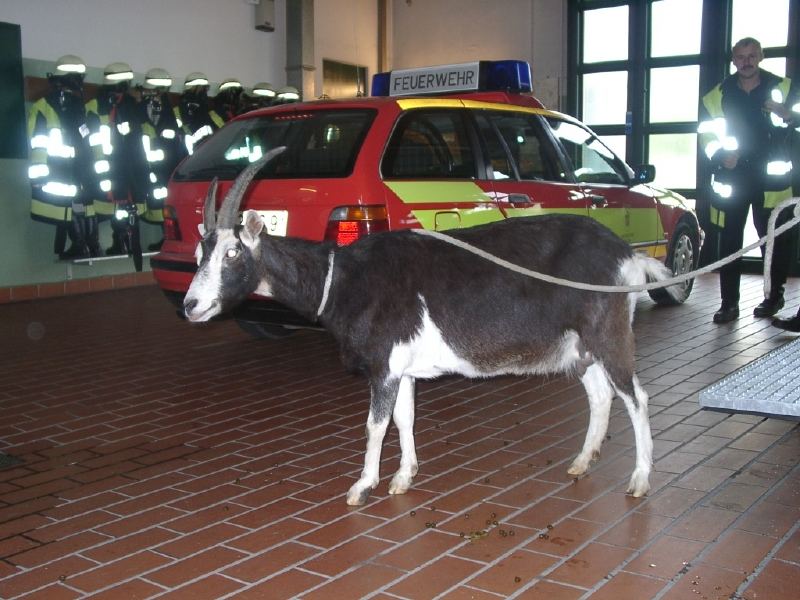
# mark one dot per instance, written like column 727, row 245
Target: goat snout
column 193, row 311
column 189, row 305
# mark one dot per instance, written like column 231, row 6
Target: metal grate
column 770, row 384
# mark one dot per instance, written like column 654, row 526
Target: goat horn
column 228, row 212
column 209, row 219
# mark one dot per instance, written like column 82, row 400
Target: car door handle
column 519, row 199
column 597, row 200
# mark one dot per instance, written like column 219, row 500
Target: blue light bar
column 496, row 75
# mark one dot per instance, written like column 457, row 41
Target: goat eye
column 231, row 253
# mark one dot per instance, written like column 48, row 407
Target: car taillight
column 349, row 223
column 171, row 229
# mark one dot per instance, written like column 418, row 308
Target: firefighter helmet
column 196, row 78
column 230, row 84
column 288, row 94
column 116, row 72
column 263, row 89
column 69, row 63
column 157, row 78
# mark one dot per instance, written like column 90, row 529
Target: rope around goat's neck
column 327, row 288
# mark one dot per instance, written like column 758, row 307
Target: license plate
column 275, row 221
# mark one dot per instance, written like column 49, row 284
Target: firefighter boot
column 76, row 232
column 93, row 237
column 117, row 239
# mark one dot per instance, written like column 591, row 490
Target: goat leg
column 640, row 479
column 382, row 403
column 598, row 389
column 404, row 421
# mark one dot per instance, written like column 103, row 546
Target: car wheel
column 682, row 258
column 262, row 331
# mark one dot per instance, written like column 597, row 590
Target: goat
column 404, row 306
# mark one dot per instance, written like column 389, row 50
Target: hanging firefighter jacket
column 61, row 159
column 97, row 119
column 196, row 118
column 733, row 121
column 162, row 148
column 129, row 170
column 61, row 170
column 226, row 101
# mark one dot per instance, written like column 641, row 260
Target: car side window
column 518, row 147
column 591, row 160
column 430, row 145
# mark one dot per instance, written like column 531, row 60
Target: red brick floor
column 161, row 459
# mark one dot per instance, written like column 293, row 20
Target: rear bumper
column 174, row 277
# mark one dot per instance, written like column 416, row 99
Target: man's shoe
column 768, row 307
column 726, row 314
column 792, row 324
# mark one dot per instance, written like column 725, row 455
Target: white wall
column 217, row 37
column 425, row 33
column 346, row 31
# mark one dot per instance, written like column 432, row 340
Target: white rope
column 771, row 233
column 771, row 239
column 326, row 290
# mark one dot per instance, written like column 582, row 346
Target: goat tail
column 639, row 269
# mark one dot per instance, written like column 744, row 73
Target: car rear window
column 322, row 143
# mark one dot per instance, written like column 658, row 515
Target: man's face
column 746, row 59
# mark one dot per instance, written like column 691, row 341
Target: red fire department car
column 439, row 148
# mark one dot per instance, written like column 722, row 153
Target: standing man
column 741, row 120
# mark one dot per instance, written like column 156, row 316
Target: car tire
column 263, row 331
column 682, row 257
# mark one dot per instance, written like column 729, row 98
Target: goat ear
column 253, row 225
column 209, row 218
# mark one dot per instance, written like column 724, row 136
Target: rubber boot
column 93, row 236
column 60, row 240
column 76, row 232
column 117, row 243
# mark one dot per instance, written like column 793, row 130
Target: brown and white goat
column 404, row 306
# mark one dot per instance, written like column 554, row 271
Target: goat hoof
column 578, row 468
column 357, row 495
column 638, row 486
column 399, row 484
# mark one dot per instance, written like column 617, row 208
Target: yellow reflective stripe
column 654, row 250
column 772, row 199
column 51, row 212
column 103, row 206
column 537, row 209
column 410, row 103
column 417, row 192
column 645, row 222
column 216, row 119
column 452, row 219
column 717, row 217
column 477, row 104
column 713, row 102
column 430, row 103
